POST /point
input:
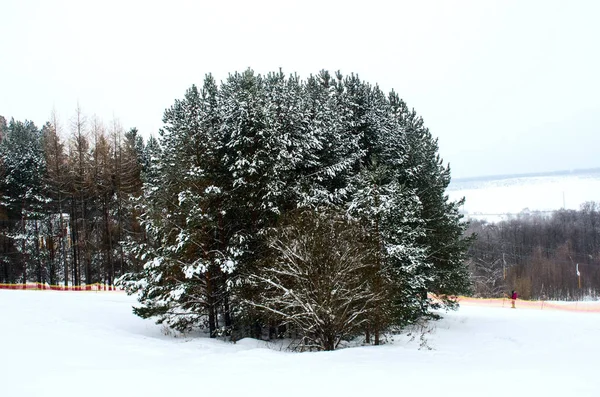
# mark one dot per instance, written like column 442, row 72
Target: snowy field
column 86, row 343
column 490, row 198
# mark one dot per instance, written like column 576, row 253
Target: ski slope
column 89, row 344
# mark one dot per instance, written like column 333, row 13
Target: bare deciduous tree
column 318, row 279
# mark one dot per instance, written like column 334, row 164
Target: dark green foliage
column 23, row 169
column 443, row 227
column 236, row 159
column 22, row 188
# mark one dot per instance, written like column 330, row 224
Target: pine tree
column 235, row 160
column 336, row 152
column 444, row 229
column 3, row 127
column 149, row 161
column 132, row 163
column 182, row 213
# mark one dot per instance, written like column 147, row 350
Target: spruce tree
column 22, row 187
column 3, row 127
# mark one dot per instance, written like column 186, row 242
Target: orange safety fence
column 582, row 307
column 41, row 286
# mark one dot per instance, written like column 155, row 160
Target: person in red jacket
column 514, row 296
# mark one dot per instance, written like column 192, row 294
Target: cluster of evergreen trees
column 275, row 200
column 313, row 207
column 268, row 201
column 538, row 254
column 65, row 205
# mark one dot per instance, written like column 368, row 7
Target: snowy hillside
column 78, row 343
column 492, row 197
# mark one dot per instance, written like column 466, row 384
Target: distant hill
column 500, row 196
column 576, row 172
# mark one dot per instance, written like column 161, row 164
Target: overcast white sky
column 506, row 86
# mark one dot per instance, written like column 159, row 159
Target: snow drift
column 88, row 343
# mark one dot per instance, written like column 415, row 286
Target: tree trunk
column 86, row 264
column 111, row 265
column 39, row 276
column 74, row 243
column 63, row 235
column 212, row 325
column 50, row 246
column 227, row 311
column 23, row 247
column 377, row 284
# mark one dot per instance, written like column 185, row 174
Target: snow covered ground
column 490, row 198
column 89, row 344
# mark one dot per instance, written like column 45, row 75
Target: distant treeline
column 66, row 200
column 538, row 255
column 489, row 178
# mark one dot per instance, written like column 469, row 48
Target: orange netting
column 42, row 286
column 583, row 307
